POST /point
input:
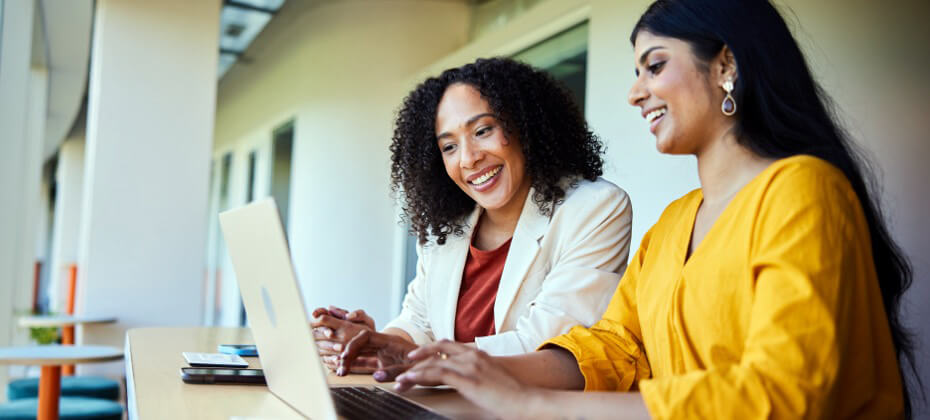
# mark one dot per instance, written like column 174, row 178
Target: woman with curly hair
column 519, row 238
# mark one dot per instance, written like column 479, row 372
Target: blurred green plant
column 42, row 335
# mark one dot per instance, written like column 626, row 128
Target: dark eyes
column 656, row 68
column 482, row 131
column 652, row 68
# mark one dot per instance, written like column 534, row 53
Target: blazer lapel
column 523, row 249
column 451, row 265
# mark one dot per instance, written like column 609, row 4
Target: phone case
column 222, row 376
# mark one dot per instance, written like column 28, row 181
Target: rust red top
column 474, row 316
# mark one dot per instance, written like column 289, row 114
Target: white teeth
column 484, row 178
column 655, row 114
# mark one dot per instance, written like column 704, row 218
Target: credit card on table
column 214, row 360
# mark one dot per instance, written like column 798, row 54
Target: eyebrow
column 642, row 58
column 467, row 123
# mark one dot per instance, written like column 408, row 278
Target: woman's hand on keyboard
column 475, row 374
column 333, row 328
column 389, row 350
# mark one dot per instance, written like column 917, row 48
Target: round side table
column 51, row 358
column 66, row 323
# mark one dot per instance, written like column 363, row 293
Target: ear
column 724, row 67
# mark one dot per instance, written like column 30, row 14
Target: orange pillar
column 35, row 287
column 49, row 392
column 67, row 332
column 72, row 286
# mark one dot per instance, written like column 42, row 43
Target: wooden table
column 67, row 324
column 51, row 358
column 155, row 389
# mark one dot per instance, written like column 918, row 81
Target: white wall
column 338, row 70
column 149, row 128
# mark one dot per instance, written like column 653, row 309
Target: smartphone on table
column 222, row 376
column 248, row 350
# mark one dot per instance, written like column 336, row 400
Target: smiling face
column 677, row 96
column 478, row 155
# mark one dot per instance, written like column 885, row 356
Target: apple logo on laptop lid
column 269, row 308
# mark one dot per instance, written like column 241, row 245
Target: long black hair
column 784, row 112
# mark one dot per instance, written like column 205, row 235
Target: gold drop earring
column 728, row 107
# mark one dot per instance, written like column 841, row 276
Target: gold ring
column 442, row 355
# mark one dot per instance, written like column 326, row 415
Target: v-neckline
column 687, row 258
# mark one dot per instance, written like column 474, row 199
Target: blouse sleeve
column 810, row 250
column 610, row 353
column 582, row 277
column 413, row 317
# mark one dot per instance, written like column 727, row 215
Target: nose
column 638, row 92
column 471, row 154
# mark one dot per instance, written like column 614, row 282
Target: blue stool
column 69, row 408
column 71, row 386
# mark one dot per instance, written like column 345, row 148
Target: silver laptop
column 274, row 305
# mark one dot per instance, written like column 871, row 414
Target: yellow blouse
column 777, row 313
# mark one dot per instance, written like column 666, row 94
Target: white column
column 68, row 201
column 150, row 118
column 35, row 220
column 21, row 98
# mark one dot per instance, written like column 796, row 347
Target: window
column 565, row 57
column 281, row 148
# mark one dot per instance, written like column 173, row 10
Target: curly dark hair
column 530, row 105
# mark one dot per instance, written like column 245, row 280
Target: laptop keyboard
column 355, row 402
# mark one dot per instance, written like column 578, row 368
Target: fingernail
column 341, row 371
column 328, row 332
column 337, row 347
column 380, row 375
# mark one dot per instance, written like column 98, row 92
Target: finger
column 328, row 321
column 450, row 348
column 389, row 373
column 352, row 350
column 361, row 317
column 319, row 311
column 329, row 347
column 331, row 362
column 427, row 376
column 338, row 312
column 322, row 333
column 367, row 370
column 366, row 362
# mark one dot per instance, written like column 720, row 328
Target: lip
column 489, row 183
column 646, row 111
column 480, row 173
column 655, row 123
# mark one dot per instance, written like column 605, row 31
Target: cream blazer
column 561, row 271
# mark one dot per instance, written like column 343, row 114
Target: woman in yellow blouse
column 770, row 292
